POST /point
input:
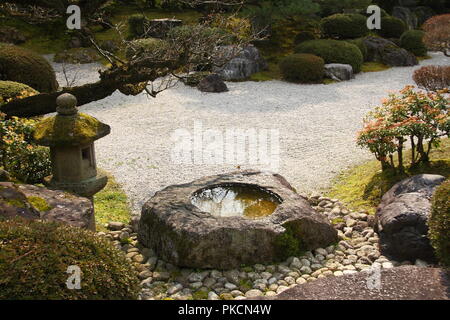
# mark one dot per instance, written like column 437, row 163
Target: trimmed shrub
column 303, row 68
column 345, row 26
column 10, row 90
column 304, row 36
column 412, row 40
column 19, row 154
column 392, row 27
column 24, row 66
column 136, row 25
column 149, row 46
column 361, row 46
column 433, row 78
column 333, row 51
column 439, row 223
column 35, row 256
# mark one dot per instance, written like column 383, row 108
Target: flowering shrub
column 432, row 78
column 22, row 158
column 417, row 116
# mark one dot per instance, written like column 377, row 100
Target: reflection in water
column 236, row 200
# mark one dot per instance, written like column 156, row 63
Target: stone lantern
column 70, row 136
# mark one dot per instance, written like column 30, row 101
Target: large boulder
column 408, row 17
column 246, row 62
column 212, row 83
column 402, row 283
column 339, row 72
column 402, row 216
column 184, row 235
column 387, row 52
column 32, row 202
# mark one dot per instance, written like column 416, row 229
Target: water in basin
column 231, row 200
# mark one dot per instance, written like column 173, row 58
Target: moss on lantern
column 78, row 129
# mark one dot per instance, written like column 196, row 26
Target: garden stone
column 282, row 289
column 174, row 289
column 271, row 293
column 387, row 52
column 209, row 282
column 253, row 293
column 196, row 285
column 266, row 275
column 402, row 216
column 339, row 72
column 212, row 83
column 213, row 296
column 300, row 281
column 230, row 286
column 161, row 276
column 305, row 269
column 206, row 241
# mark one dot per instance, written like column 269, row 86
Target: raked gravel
column 317, row 126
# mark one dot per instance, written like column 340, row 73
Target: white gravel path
column 317, row 126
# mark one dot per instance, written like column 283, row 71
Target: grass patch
column 272, row 73
column 363, row 186
column 111, row 204
column 424, row 58
column 374, row 67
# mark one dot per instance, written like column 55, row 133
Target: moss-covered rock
column 35, row 257
column 10, row 90
column 334, row 51
column 24, row 66
column 439, row 223
column 74, row 130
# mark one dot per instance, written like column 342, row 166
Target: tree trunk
column 46, row 102
column 400, row 154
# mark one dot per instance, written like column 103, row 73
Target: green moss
column 39, row 204
column 337, row 220
column 15, row 203
column 200, row 295
column 77, row 130
column 111, row 204
column 10, row 90
column 289, row 243
column 374, row 67
column 363, row 186
column 245, row 284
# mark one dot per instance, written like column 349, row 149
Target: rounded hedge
column 392, row 27
column 345, row 26
column 302, row 68
column 10, row 90
column 150, row 46
column 35, row 256
column 412, row 40
column 361, row 46
column 24, row 66
column 333, row 51
column 303, row 36
column 439, row 223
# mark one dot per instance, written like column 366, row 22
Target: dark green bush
column 439, row 223
column 412, row 40
column 149, row 46
column 24, row 66
column 35, row 255
column 361, row 46
column 333, row 51
column 304, row 36
column 136, row 25
column 392, row 27
column 344, row 26
column 19, row 154
column 303, row 68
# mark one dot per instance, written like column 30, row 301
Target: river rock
column 401, row 218
column 339, row 72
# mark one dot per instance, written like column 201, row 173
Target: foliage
column 304, row 36
column 362, row 186
column 19, row 154
column 374, row 67
column 437, row 33
column 10, row 90
column 412, row 40
column 361, row 46
column 136, row 25
column 392, row 27
column 345, row 26
column 432, row 78
column 329, row 7
column 147, row 46
column 24, row 66
column 439, row 223
column 333, row 51
column 414, row 115
column 35, row 255
column 303, row 68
